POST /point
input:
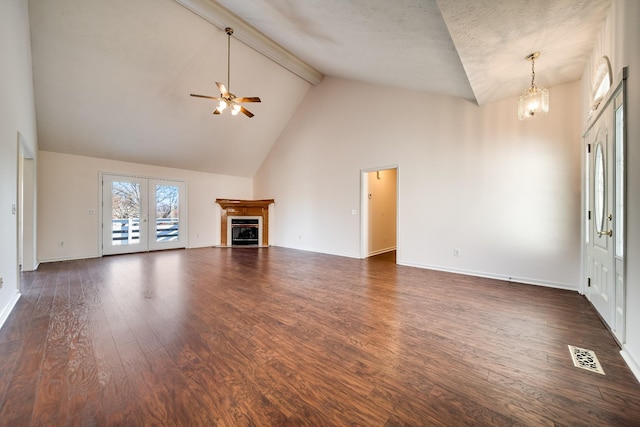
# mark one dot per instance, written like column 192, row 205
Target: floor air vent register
column 585, row 359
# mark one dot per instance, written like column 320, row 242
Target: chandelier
column 535, row 100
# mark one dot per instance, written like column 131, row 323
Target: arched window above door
column 601, row 85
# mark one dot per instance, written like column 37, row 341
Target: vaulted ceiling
column 112, row 79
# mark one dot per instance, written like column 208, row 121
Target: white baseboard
column 72, row 258
column 35, row 267
column 9, row 308
column 319, row 251
column 381, row 251
column 515, row 279
column 632, row 362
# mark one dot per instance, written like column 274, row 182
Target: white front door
column 141, row 214
column 604, row 207
column 600, row 263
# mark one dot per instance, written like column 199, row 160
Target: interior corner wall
column 69, row 189
column 505, row 192
column 17, row 116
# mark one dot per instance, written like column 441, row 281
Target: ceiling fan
column 226, row 98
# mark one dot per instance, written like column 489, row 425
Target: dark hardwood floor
column 272, row 337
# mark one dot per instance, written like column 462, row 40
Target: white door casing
column 604, row 212
column 619, row 217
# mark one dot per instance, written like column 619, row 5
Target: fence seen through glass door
column 141, row 214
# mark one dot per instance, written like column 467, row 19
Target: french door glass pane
column 125, row 213
column 167, row 213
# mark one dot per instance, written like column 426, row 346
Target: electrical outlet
column 1, row 282
column 61, row 244
column 91, row 211
column 456, row 252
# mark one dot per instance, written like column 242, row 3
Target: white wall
column 68, row 186
column 17, row 114
column 620, row 42
column 505, row 192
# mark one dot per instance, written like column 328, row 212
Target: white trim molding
column 632, row 363
column 9, row 308
column 514, row 279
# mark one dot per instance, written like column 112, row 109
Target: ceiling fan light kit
column 226, row 98
column 535, row 100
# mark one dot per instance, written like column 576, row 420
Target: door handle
column 605, row 233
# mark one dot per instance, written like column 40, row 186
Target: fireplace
column 244, row 231
column 244, row 222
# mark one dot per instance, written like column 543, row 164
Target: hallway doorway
column 379, row 211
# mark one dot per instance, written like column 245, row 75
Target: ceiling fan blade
column 206, row 96
column 246, row 112
column 223, row 90
column 249, row 99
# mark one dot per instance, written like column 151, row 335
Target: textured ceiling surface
column 402, row 43
column 492, row 38
column 473, row 49
column 112, row 78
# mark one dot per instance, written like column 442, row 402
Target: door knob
column 605, row 233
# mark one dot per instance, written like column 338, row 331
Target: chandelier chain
column 533, row 72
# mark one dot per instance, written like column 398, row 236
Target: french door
column 140, row 214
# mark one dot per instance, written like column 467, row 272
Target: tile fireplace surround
column 241, row 208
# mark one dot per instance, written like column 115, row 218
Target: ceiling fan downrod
column 229, row 32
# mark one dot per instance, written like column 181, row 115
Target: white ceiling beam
column 219, row 16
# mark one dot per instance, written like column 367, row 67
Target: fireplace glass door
column 245, row 232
